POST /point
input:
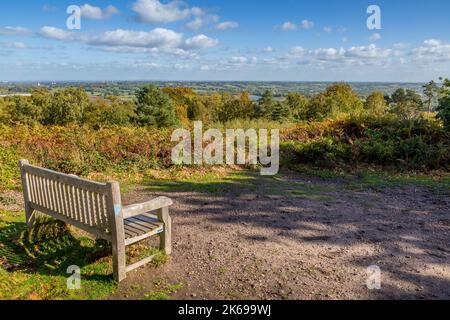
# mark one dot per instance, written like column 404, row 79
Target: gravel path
column 292, row 238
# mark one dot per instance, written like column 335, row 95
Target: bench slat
column 69, row 179
column 97, row 232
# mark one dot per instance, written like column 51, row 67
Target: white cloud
column 58, row 34
column 375, row 37
column 153, row 11
column 201, row 42
column 432, row 50
column 14, row 31
column 288, row 26
column 227, row 25
column 268, row 50
column 238, row 60
column 297, row 52
column 96, row 13
column 201, row 20
column 306, row 24
column 15, row 45
column 195, row 24
column 155, row 38
column 352, row 55
column 328, row 29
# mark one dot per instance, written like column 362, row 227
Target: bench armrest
column 138, row 209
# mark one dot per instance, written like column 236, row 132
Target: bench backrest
column 83, row 203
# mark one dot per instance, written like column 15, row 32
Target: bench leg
column 29, row 216
column 119, row 261
column 166, row 236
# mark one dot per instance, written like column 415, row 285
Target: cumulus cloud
column 202, row 20
column 306, row 24
column 288, row 26
column 155, row 38
column 195, row 24
column 227, row 25
column 328, row 29
column 153, row 11
column 14, row 31
column 58, row 34
column 358, row 55
column 268, row 50
column 375, row 37
column 201, row 42
column 96, row 13
column 432, row 50
column 297, row 52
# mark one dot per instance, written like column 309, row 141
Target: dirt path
column 292, row 238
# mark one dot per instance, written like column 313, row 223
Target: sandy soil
column 293, row 238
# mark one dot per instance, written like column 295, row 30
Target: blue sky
column 284, row 40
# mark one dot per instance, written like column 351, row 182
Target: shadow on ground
column 404, row 230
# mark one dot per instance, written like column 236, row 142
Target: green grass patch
column 380, row 180
column 163, row 291
column 33, row 264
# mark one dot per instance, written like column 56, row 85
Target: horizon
column 209, row 81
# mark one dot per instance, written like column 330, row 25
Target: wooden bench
column 97, row 209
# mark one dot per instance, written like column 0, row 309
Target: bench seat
column 144, row 225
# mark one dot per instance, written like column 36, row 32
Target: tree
column 67, row 107
column 407, row 104
column 196, row 110
column 430, row 90
column 297, row 105
column 338, row 99
column 42, row 98
column 280, row 112
column 265, row 105
column 215, row 106
column 443, row 108
column 179, row 98
column 154, row 108
column 22, row 110
column 109, row 112
column 376, row 104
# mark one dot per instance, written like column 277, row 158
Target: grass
column 163, row 291
column 379, row 180
column 34, row 263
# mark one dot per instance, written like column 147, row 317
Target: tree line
column 170, row 107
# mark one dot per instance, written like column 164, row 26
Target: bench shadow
column 49, row 248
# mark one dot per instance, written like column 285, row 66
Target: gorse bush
column 408, row 144
column 83, row 150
